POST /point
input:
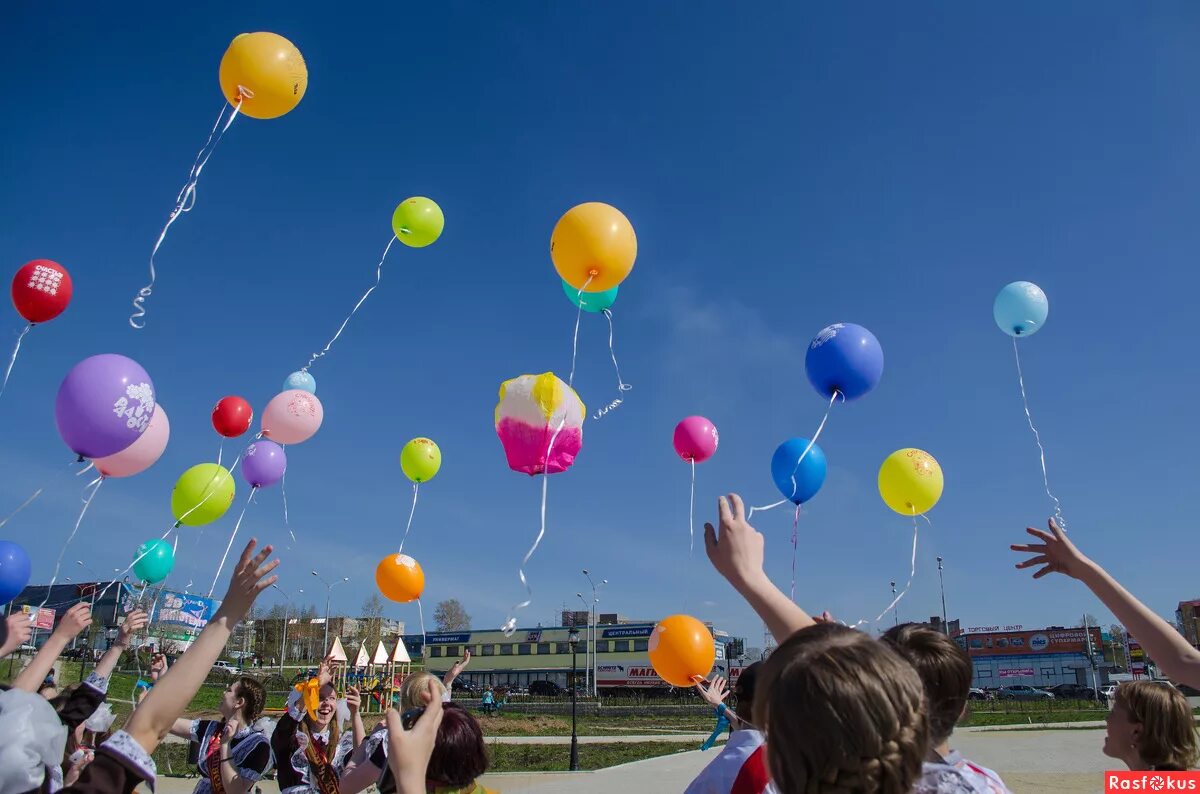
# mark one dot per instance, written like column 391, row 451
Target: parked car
column 545, row 688
column 1108, row 692
column 980, row 694
column 1072, row 692
column 227, row 667
column 1023, row 692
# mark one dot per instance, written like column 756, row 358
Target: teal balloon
column 157, row 560
column 1021, row 309
column 591, row 301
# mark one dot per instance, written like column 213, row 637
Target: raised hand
column 458, row 666
column 158, row 665
column 737, row 552
column 1056, row 553
column 19, row 631
column 325, row 671
column 250, row 578
column 135, row 621
column 353, row 700
column 713, row 692
column 74, row 621
column 409, row 751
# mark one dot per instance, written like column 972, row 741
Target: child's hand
column 1057, row 554
column 715, row 692
column 19, row 631
column 249, row 579
column 76, row 619
column 737, row 553
column 353, row 701
column 135, row 621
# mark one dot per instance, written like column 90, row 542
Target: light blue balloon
column 1021, row 309
column 591, row 301
column 301, row 380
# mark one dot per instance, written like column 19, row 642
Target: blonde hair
column 416, row 685
column 843, row 714
column 1168, row 739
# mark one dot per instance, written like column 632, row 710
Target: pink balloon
column 696, row 439
column 141, row 454
column 292, row 416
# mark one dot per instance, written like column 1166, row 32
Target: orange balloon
column 681, row 650
column 595, row 241
column 400, row 578
column 265, row 72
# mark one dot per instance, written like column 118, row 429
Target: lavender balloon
column 844, row 358
column 104, row 405
column 263, row 463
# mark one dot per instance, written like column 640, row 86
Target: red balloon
column 41, row 290
column 232, row 416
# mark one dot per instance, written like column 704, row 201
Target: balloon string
column 912, row 572
column 795, row 536
column 232, row 535
column 24, row 504
column 378, row 278
column 1058, row 516
column 575, row 339
column 796, row 469
column 186, row 200
column 94, row 485
column 410, row 518
column 510, row 625
column 421, row 615
column 692, row 513
column 622, row 386
column 13, row 360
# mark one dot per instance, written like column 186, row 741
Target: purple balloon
column 844, row 358
column 104, row 405
column 263, row 463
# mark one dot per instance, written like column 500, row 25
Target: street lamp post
column 942, row 584
column 589, row 648
column 595, row 627
column 283, row 642
column 328, row 594
column 573, row 641
column 895, row 606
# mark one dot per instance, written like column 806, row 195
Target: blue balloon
column 300, row 380
column 1021, row 309
column 799, row 483
column 14, row 570
column 844, row 358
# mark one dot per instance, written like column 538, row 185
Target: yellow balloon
column 593, row 241
column 265, row 72
column 910, row 481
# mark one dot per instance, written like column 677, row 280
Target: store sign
column 1018, row 643
column 448, row 639
column 185, row 610
column 628, row 675
column 1016, row 672
column 636, row 631
column 986, row 629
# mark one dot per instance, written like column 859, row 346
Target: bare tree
column 372, row 610
column 450, row 616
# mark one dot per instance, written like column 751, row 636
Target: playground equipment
column 377, row 676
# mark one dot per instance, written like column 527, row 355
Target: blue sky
column 784, row 169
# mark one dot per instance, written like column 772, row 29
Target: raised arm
column 354, row 702
column 156, row 715
column 1166, row 646
column 74, row 621
column 135, row 621
column 737, row 554
column 456, row 669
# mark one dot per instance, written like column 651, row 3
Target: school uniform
column 740, row 767
column 249, row 751
column 300, row 768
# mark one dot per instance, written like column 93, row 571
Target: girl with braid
column 310, row 751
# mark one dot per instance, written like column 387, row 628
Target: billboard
column 628, row 674
column 1017, row 672
column 1024, row 643
column 42, row 618
column 185, row 611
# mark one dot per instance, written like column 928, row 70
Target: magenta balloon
column 696, row 439
column 104, row 405
column 263, row 463
column 292, row 416
column 141, row 454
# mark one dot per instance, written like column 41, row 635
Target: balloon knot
column 244, row 93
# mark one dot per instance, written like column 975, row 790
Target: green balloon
column 202, row 494
column 156, row 561
column 420, row 460
column 418, row 221
column 591, row 301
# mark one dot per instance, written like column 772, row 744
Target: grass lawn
column 556, row 758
